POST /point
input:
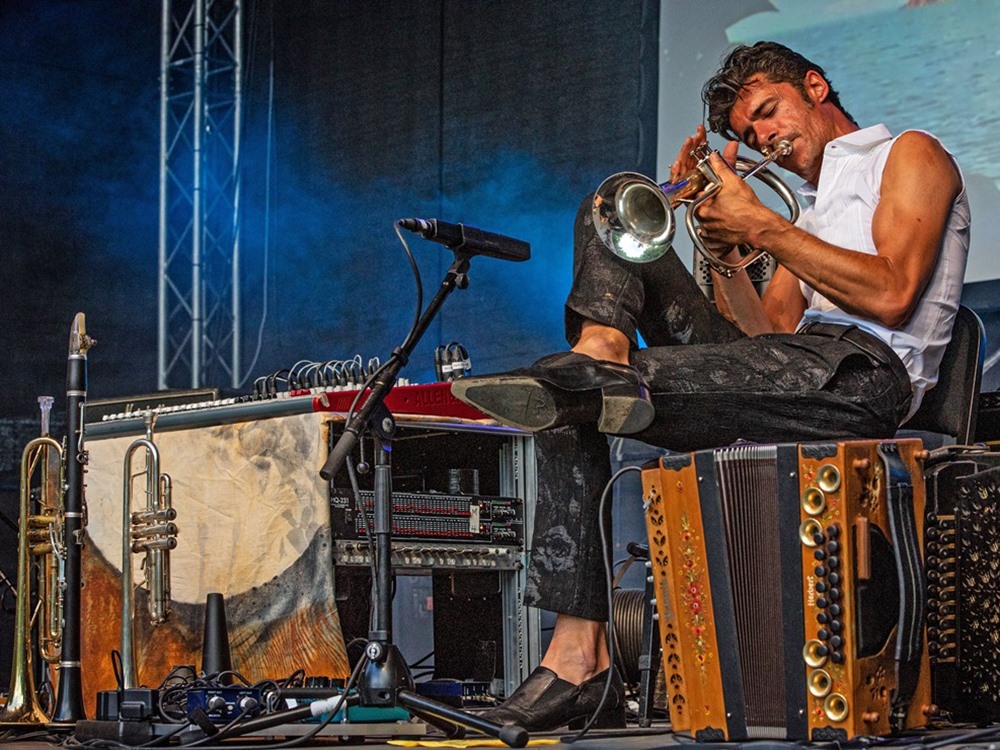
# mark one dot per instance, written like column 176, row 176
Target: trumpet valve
column 158, row 543
column 154, row 530
column 153, row 516
column 42, row 520
column 701, row 152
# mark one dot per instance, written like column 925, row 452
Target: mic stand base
column 439, row 715
column 386, row 682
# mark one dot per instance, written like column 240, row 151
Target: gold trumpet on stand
column 40, row 535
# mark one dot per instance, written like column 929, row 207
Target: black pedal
column 125, row 732
column 130, row 704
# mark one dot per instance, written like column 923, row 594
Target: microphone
column 469, row 239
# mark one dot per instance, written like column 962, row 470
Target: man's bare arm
column 919, row 185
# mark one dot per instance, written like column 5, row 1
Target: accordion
column 790, row 589
column 962, row 534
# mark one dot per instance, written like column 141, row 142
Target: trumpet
column 634, row 216
column 151, row 531
column 39, row 535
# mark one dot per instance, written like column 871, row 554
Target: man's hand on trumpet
column 686, row 160
column 733, row 215
column 725, row 221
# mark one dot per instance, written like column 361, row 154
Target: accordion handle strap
column 910, row 574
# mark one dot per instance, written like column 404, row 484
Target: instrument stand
column 385, row 680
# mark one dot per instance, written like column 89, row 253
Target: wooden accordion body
column 790, row 589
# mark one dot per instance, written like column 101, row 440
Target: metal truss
column 199, row 244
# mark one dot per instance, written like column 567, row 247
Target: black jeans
column 711, row 386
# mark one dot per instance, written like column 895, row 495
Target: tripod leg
column 447, row 728
column 510, row 734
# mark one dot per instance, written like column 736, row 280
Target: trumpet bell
column 633, row 217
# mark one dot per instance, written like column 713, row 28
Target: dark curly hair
column 778, row 63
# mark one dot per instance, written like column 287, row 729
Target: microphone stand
column 386, row 680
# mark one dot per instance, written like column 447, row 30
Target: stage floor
column 625, row 739
column 632, row 738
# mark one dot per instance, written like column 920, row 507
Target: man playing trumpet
column 845, row 341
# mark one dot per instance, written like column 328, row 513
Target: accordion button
column 836, row 626
column 821, row 586
column 834, row 579
column 823, row 634
column 836, row 641
column 834, row 594
column 837, row 657
column 820, row 571
column 833, row 562
column 833, row 531
column 822, row 618
column 822, row 603
column 835, row 610
column 833, row 547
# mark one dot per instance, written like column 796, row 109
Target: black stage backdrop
column 501, row 114
column 497, row 114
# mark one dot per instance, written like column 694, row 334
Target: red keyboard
column 431, row 399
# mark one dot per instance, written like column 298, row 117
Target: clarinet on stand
column 69, row 697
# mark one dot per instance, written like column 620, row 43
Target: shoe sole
column 528, row 404
column 517, row 402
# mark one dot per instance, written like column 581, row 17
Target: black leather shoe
column 544, row 702
column 561, row 389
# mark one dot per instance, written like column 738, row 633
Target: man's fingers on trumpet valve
column 686, row 157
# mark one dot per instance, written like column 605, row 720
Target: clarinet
column 69, row 698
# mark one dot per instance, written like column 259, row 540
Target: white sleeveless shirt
column 839, row 211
